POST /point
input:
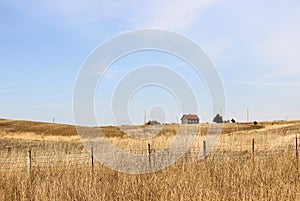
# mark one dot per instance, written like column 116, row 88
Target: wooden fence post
column 253, row 149
column 204, row 149
column 92, row 157
column 297, row 154
column 149, row 154
column 29, row 162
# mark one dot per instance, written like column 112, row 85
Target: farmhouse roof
column 190, row 116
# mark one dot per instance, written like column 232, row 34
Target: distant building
column 190, row 119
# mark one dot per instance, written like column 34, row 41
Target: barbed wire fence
column 34, row 160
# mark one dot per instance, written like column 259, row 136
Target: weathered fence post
column 253, row 149
column 297, row 154
column 149, row 154
column 204, row 149
column 92, row 157
column 29, row 162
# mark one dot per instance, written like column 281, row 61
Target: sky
column 255, row 46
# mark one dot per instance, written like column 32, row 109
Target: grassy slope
column 39, row 128
column 21, row 127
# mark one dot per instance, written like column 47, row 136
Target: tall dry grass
column 268, row 178
column 62, row 170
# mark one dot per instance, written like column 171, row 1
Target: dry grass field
column 61, row 167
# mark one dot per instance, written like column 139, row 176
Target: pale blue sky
column 254, row 44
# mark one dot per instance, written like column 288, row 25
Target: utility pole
column 247, row 115
column 144, row 116
column 53, row 119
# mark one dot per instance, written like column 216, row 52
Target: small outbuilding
column 190, row 119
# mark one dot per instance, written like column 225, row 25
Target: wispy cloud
column 113, row 74
column 46, row 98
column 166, row 14
column 271, row 84
column 7, row 89
column 281, row 51
column 175, row 15
column 273, row 36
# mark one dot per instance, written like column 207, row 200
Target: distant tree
column 232, row 120
column 218, row 119
column 152, row 122
column 255, row 122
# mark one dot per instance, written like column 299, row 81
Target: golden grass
column 61, row 169
column 39, row 128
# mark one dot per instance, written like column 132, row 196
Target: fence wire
column 70, row 158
